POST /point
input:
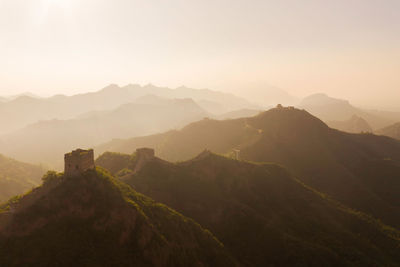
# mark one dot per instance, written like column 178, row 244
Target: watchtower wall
column 145, row 153
column 78, row 161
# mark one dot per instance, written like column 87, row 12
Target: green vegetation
column 116, row 162
column 51, row 177
column 95, row 220
column 264, row 216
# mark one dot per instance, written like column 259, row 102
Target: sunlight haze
column 347, row 49
column 169, row 133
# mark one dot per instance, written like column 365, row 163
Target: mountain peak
column 286, row 119
column 111, row 87
column 203, row 155
column 355, row 124
column 321, row 99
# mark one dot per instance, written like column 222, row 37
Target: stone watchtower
column 78, row 161
column 145, row 153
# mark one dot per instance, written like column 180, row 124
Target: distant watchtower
column 145, row 153
column 78, row 161
column 236, row 153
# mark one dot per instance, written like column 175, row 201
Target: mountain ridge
column 259, row 211
column 392, row 131
column 355, row 124
column 94, row 220
column 46, row 141
column 330, row 161
column 334, row 109
column 25, row 110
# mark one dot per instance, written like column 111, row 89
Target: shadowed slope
column 264, row 216
column 93, row 220
column 331, row 161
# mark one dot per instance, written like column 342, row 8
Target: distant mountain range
column 391, row 131
column 260, row 212
column 13, row 97
column 355, row 124
column 39, row 130
column 283, row 190
column 241, row 113
column 46, row 141
column 331, row 109
column 24, row 110
column 360, row 170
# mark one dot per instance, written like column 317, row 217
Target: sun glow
column 61, row 3
column 46, row 7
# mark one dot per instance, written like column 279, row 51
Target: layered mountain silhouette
column 261, row 213
column 360, row 170
column 46, row 141
column 391, row 131
column 17, row 177
column 332, row 109
column 241, row 113
column 355, row 124
column 25, row 110
column 94, row 220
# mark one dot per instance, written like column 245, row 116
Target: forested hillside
column 331, row 161
column 261, row 213
column 93, row 220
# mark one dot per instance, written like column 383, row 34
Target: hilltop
column 392, row 131
column 94, row 220
column 333, row 109
column 355, row 124
column 263, row 215
column 17, row 177
column 333, row 162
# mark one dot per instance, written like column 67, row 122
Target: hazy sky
column 346, row 48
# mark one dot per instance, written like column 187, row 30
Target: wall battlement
column 78, row 161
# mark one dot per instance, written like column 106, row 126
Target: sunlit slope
column 263, row 215
column 17, row 177
column 355, row 124
column 331, row 161
column 94, row 220
column 391, row 131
